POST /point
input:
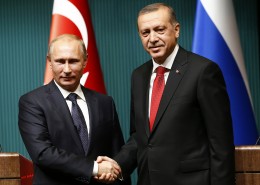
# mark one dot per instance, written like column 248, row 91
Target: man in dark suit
column 53, row 137
column 188, row 140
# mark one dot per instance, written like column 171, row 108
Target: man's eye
column 71, row 61
column 61, row 61
column 145, row 33
column 160, row 31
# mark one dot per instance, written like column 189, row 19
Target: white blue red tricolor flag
column 73, row 17
column 216, row 37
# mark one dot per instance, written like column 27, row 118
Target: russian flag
column 216, row 38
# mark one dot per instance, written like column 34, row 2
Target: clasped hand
column 108, row 170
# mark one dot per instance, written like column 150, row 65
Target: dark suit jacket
column 192, row 139
column 47, row 129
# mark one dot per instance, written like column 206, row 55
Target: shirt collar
column 65, row 93
column 169, row 60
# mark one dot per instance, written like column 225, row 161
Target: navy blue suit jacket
column 47, row 129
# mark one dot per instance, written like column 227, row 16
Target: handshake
column 108, row 170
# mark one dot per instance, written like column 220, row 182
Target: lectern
column 15, row 169
column 247, row 165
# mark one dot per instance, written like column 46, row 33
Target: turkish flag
column 73, row 17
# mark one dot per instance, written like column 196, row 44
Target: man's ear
column 177, row 30
column 85, row 63
column 49, row 60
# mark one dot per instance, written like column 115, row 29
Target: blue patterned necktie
column 79, row 121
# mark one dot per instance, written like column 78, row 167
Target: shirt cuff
column 95, row 169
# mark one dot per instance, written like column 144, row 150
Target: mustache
column 154, row 45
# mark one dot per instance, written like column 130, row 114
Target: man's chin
column 157, row 58
column 69, row 86
column 68, row 82
column 156, row 53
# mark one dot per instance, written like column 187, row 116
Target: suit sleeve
column 214, row 102
column 34, row 132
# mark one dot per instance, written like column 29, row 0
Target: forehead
column 66, row 46
column 155, row 18
column 66, row 42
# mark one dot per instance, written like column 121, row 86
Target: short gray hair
column 156, row 6
column 72, row 37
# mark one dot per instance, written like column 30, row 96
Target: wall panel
column 25, row 27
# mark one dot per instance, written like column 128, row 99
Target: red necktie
column 158, row 87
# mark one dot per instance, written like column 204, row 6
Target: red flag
column 73, row 17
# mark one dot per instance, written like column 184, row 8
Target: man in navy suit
column 189, row 141
column 47, row 128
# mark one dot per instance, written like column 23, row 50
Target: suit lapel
column 93, row 116
column 60, row 106
column 176, row 74
column 144, row 94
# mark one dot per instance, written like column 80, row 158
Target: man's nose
column 66, row 68
column 153, row 37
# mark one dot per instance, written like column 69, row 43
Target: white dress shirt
column 167, row 64
column 81, row 100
